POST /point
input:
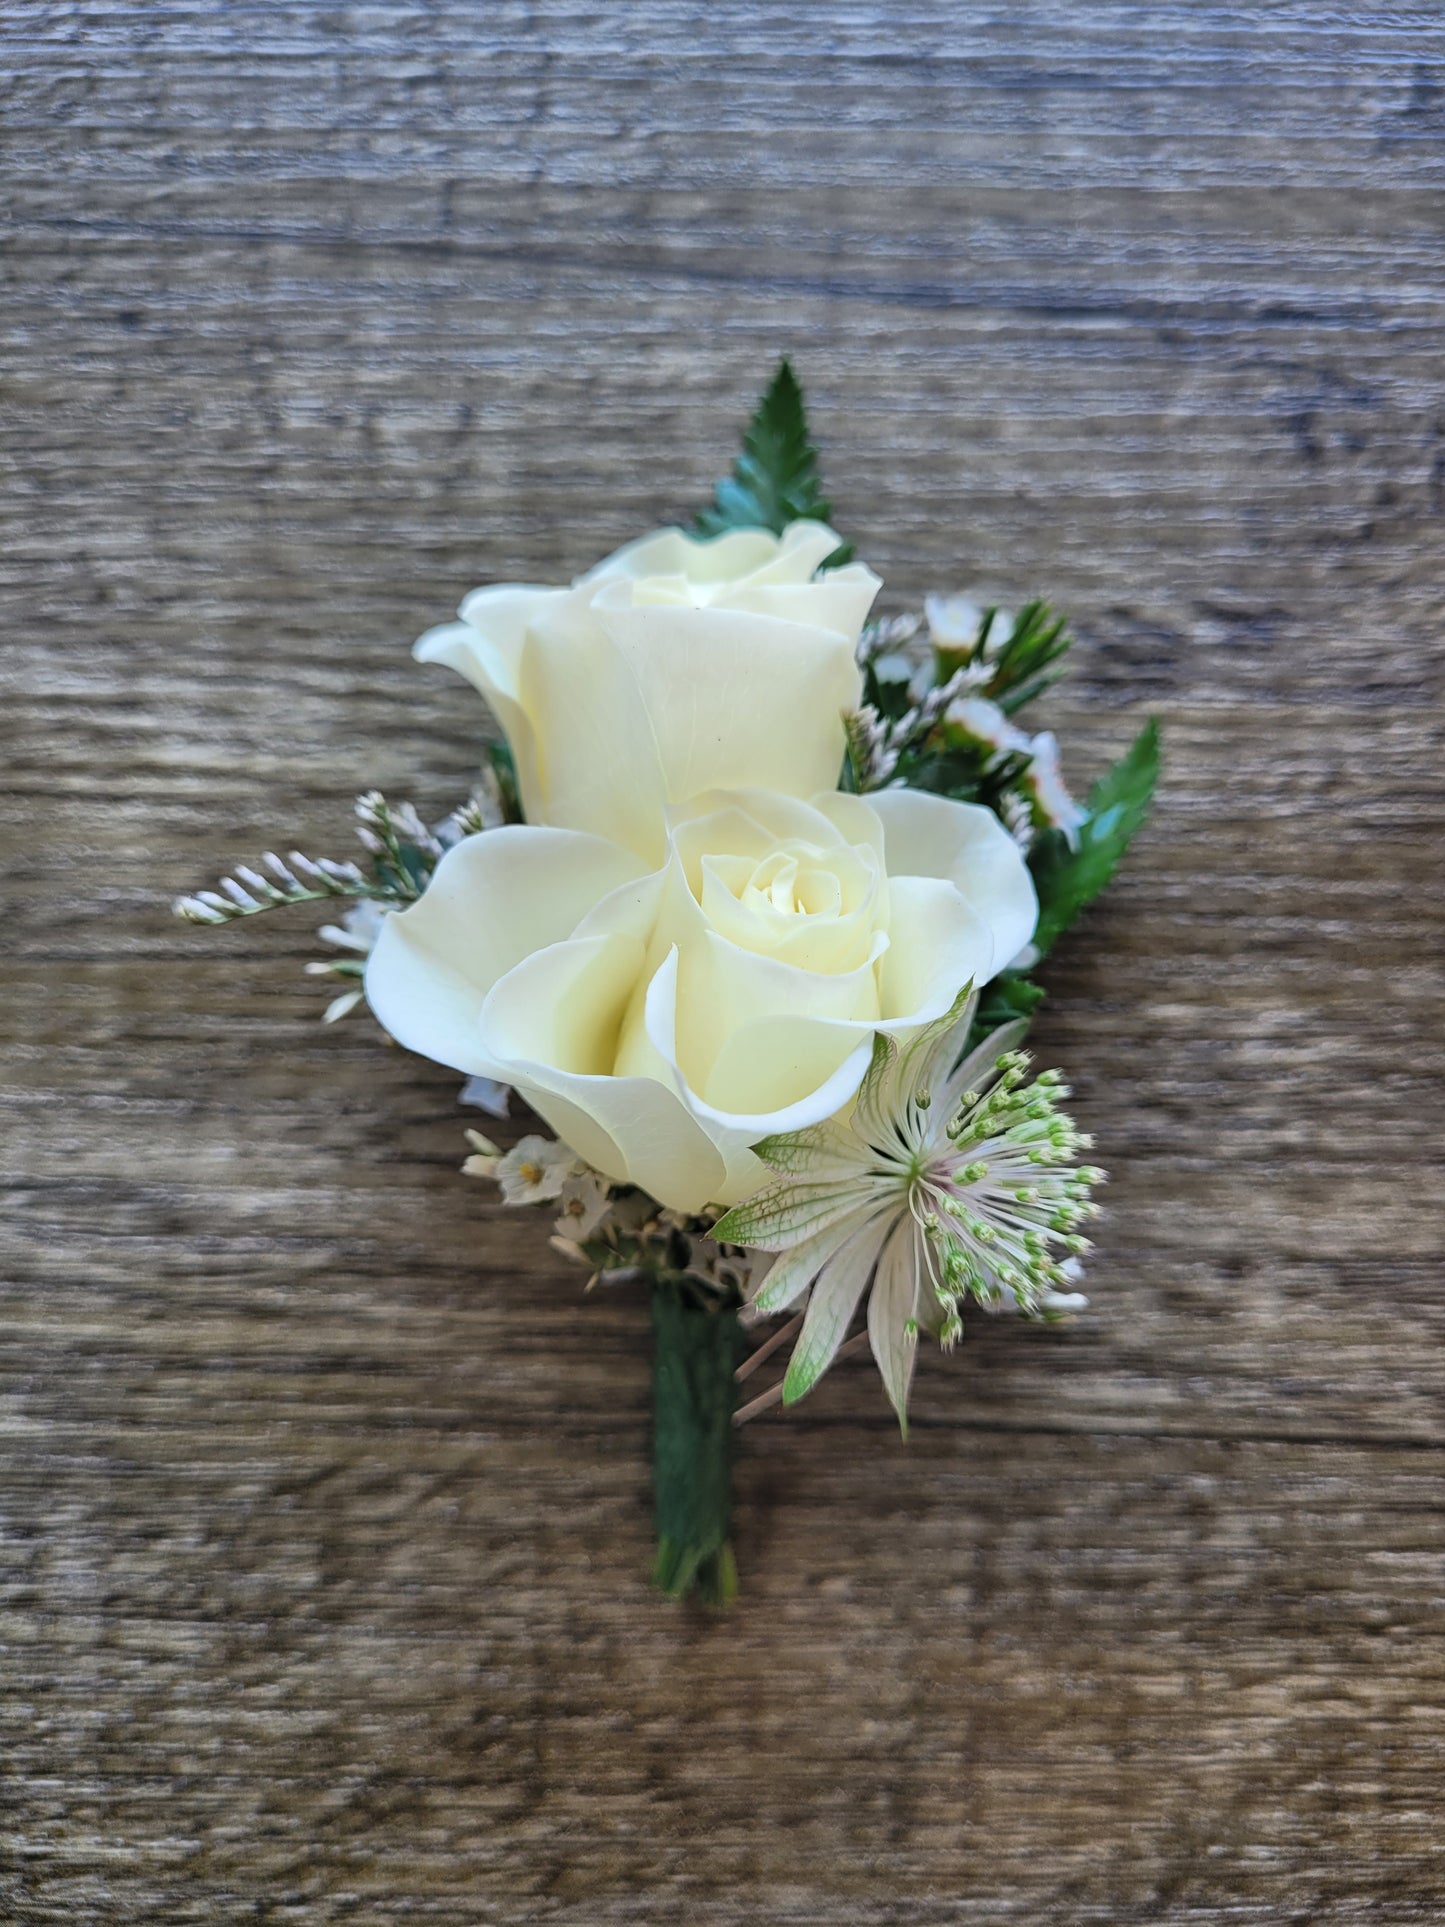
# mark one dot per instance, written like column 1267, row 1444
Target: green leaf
column 1066, row 878
column 775, row 479
column 694, row 1393
column 1007, row 998
column 504, row 768
column 1025, row 666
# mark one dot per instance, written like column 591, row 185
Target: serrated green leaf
column 504, row 769
column 1068, row 879
column 1031, row 659
column 775, row 479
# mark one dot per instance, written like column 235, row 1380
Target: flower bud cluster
column 949, row 685
column 1003, row 1205
column 616, row 1230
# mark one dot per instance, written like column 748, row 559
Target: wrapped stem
column 698, row 1346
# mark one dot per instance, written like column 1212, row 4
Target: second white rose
column 664, row 1016
column 675, row 667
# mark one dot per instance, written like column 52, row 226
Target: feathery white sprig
column 951, row 1181
column 246, row 894
column 404, row 853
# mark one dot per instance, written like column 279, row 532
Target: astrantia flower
column 950, row 1181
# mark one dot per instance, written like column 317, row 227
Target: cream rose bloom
column 664, row 1015
column 674, row 668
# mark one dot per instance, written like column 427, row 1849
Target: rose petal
column 486, row 647
column 672, row 552
column 853, row 818
column 600, row 763
column 735, row 1132
column 552, row 1024
column 691, row 664
column 937, row 942
column 931, row 836
column 494, row 899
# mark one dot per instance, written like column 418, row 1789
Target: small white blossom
column 1000, row 633
column 1044, row 782
column 1045, row 803
column 953, row 620
column 586, row 1200
column 895, row 667
column 358, row 930
column 984, row 724
column 535, row 1169
column 950, row 1181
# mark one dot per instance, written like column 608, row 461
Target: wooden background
column 325, row 1514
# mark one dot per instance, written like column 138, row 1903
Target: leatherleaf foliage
column 774, row 480
column 1069, row 878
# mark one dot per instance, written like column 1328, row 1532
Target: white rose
column 664, row 1019
column 675, row 667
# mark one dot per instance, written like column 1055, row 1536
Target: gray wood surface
column 324, row 1495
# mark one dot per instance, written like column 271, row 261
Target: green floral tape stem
column 699, row 1345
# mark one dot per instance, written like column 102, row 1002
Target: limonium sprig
column 951, row 1181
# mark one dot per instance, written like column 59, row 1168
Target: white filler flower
column 950, row 1181
column 535, row 1170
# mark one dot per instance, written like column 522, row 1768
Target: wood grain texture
column 324, row 1503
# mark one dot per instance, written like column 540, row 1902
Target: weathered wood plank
column 325, row 1510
